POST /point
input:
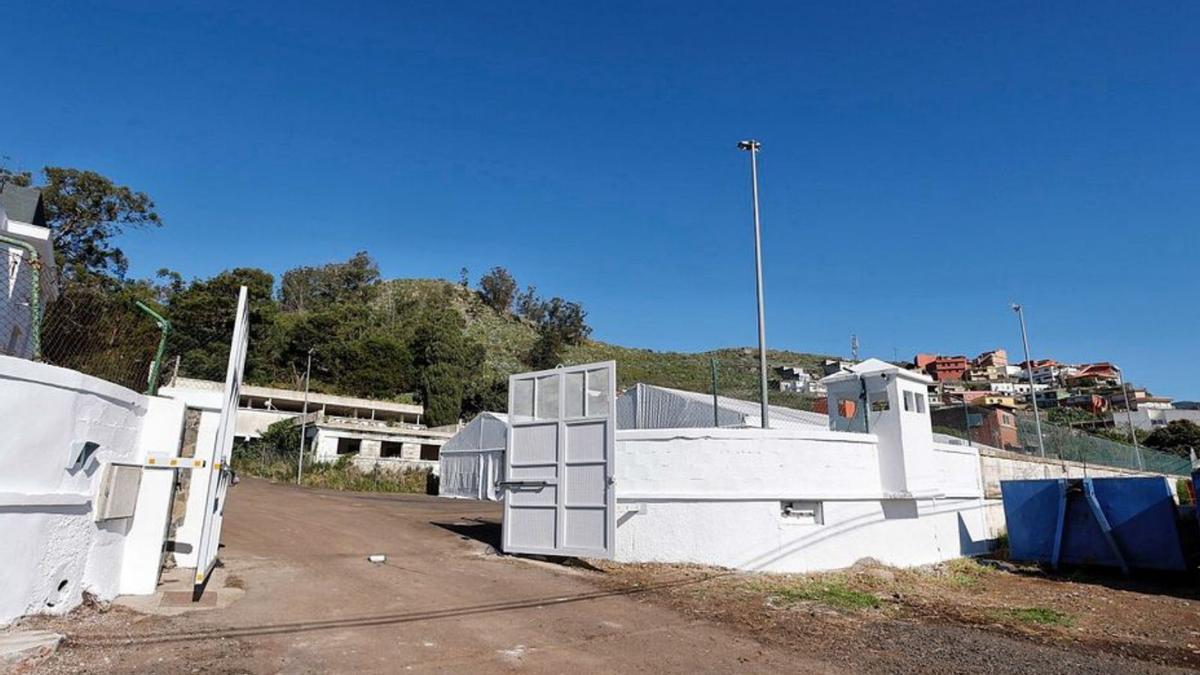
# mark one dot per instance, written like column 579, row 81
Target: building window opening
column 430, row 452
column 349, row 446
column 878, row 401
column 391, row 449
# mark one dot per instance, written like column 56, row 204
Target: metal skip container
column 1130, row 523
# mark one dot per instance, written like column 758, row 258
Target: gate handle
column 524, row 483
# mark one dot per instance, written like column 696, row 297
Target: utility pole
column 304, row 418
column 967, row 419
column 854, row 347
column 716, row 417
column 752, row 146
column 1125, row 393
column 1037, row 417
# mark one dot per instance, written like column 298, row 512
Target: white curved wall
column 47, row 531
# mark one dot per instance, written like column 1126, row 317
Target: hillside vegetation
column 508, row 339
column 450, row 347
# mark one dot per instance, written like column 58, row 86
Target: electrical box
column 118, row 492
column 802, row 512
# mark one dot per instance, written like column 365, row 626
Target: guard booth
column 558, row 488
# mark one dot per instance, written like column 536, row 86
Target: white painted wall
column 143, row 550
column 53, row 550
column 713, row 496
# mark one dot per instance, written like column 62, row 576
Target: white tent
column 472, row 461
column 646, row 406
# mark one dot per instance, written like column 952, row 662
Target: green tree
column 354, row 282
column 529, row 305
column 497, row 288
column 567, row 319
column 447, row 361
column 202, row 317
column 1177, row 437
column 562, row 323
column 85, row 212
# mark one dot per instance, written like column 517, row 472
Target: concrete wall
column 715, row 497
column 997, row 465
column 53, row 549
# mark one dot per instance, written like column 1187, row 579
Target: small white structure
column 871, row 482
column 472, row 461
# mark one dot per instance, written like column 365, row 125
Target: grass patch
column 830, row 594
column 966, row 572
column 339, row 475
column 1040, row 615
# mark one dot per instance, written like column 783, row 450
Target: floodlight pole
column 304, row 418
column 1037, row 417
column 752, row 146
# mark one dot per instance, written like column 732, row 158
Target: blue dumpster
column 1130, row 523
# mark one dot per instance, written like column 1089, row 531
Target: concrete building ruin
column 371, row 432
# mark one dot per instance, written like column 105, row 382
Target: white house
column 23, row 238
column 796, row 380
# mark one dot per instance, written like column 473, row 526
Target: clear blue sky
column 922, row 165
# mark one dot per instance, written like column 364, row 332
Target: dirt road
column 297, row 595
column 313, row 603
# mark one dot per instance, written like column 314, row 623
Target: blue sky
column 923, row 164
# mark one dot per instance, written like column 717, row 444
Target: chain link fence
column 92, row 328
column 1080, row 446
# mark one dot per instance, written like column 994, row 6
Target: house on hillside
column 1045, row 371
column 1092, row 403
column 986, row 425
column 796, row 380
column 942, row 368
column 1091, row 375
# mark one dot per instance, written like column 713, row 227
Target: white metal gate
column 558, row 481
column 220, row 472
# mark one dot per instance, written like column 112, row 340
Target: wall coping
column 746, row 433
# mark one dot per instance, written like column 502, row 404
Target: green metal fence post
column 155, row 368
column 35, row 294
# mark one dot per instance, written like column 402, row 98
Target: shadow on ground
column 478, row 529
column 488, row 532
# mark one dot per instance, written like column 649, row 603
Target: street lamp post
column 1037, row 417
column 1125, row 393
column 304, row 418
column 752, row 146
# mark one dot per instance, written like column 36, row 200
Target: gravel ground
column 963, row 617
